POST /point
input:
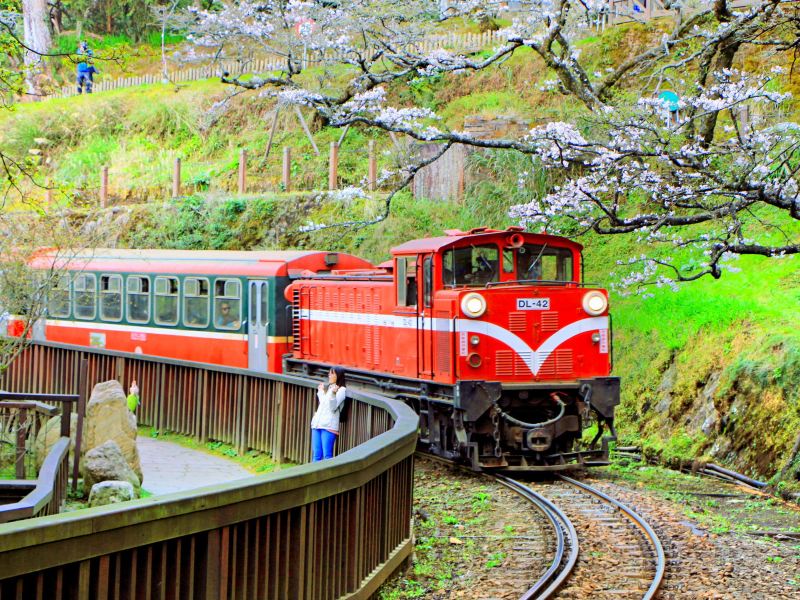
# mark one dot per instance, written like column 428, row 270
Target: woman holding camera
column 325, row 423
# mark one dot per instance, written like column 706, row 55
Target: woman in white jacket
column 325, row 423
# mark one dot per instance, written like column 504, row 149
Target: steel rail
column 640, row 523
column 558, row 520
column 555, row 575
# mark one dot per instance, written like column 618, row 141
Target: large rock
column 107, row 463
column 50, row 434
column 111, row 492
column 108, row 418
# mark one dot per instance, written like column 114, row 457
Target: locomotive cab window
column 427, row 281
column 195, row 302
column 58, row 297
column 85, row 290
column 407, row 281
column 166, row 309
column 543, row 263
column 227, row 303
column 138, row 299
column 111, row 297
column 474, row 265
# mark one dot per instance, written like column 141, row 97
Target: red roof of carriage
column 258, row 263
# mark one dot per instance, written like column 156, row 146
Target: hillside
column 710, row 371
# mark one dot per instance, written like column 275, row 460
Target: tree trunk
column 57, row 17
column 37, row 38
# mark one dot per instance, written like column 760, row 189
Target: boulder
column 108, row 418
column 111, row 492
column 107, row 463
column 49, row 435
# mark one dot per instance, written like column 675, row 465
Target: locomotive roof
column 244, row 262
column 477, row 236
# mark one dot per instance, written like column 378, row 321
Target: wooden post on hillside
column 287, row 169
column 242, row 170
column 372, row 176
column 176, row 178
column 333, row 167
column 104, row 187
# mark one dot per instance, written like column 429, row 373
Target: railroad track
column 600, row 547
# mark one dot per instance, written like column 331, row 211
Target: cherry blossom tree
column 704, row 181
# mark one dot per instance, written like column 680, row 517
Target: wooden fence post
column 104, row 188
column 176, row 178
column 287, row 168
column 333, row 167
column 242, row 170
column 22, row 431
column 372, row 176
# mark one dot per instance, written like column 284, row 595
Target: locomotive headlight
column 473, row 305
column 594, row 303
column 474, row 339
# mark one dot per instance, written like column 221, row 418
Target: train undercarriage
column 500, row 427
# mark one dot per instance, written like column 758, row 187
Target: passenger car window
column 85, row 290
column 195, row 302
column 227, row 304
column 166, row 300
column 138, row 299
column 58, row 298
column 111, row 297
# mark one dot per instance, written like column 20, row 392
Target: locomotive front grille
column 517, row 321
column 550, row 321
column 504, row 363
column 564, row 363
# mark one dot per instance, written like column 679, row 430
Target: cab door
column 426, row 329
column 257, row 324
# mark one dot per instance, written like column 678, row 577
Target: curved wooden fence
column 46, row 494
column 334, row 529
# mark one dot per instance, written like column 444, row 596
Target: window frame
column 402, row 296
column 68, row 315
column 103, row 293
column 230, row 299
column 94, row 293
column 130, row 277
column 156, row 319
column 208, row 302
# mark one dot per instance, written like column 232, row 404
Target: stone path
column 169, row 467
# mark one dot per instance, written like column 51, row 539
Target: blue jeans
column 322, row 442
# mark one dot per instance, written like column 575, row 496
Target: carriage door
column 426, row 329
column 257, row 324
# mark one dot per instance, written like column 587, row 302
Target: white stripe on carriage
column 100, row 327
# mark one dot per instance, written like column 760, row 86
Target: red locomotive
column 490, row 335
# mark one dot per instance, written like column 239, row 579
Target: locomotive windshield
column 474, row 265
column 479, row 265
column 541, row 263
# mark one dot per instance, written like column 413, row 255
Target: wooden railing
column 46, row 494
column 331, row 529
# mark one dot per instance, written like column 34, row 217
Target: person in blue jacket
column 86, row 70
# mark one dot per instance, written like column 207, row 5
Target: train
column 490, row 335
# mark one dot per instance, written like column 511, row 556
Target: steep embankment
column 712, row 370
